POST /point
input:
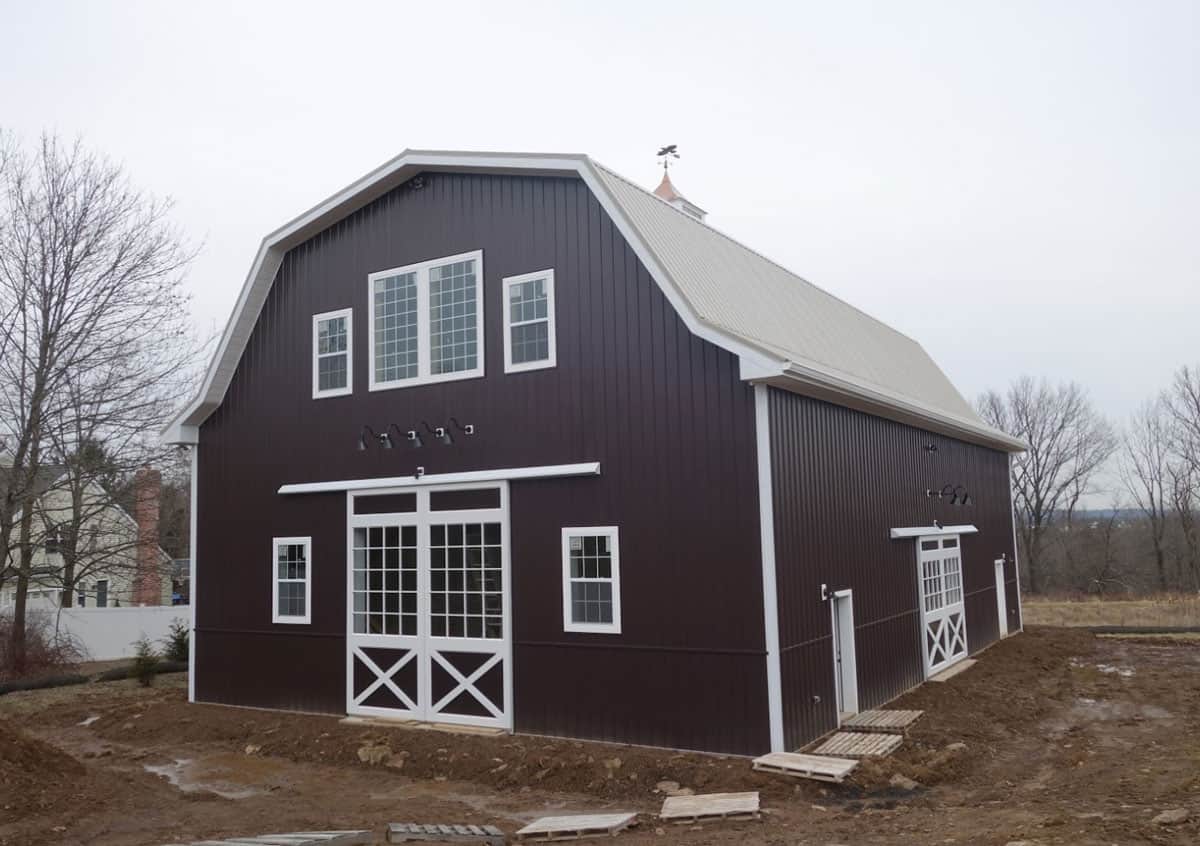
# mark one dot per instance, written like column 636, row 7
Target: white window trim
column 308, row 577
column 611, row 532
column 424, row 377
column 349, row 353
column 551, row 323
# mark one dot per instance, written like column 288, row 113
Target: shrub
column 175, row 644
column 145, row 661
column 49, row 650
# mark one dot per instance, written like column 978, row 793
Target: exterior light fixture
column 466, row 429
column 930, row 448
column 385, row 440
column 411, row 436
column 439, row 433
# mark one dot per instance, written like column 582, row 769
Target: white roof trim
column 545, row 471
column 184, row 427
column 758, row 360
column 932, row 531
column 854, row 393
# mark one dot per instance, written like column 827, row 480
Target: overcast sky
column 1015, row 185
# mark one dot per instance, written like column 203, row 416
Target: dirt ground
column 1069, row 739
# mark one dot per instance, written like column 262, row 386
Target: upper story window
column 529, row 322
column 591, row 580
column 426, row 322
column 333, row 366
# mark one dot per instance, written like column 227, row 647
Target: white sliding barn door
column 943, row 614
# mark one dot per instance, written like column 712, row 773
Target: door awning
column 544, row 471
column 932, row 531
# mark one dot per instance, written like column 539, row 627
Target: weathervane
column 666, row 154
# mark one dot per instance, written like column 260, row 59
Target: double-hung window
column 333, row 366
column 591, row 580
column 529, row 342
column 426, row 322
column 292, row 580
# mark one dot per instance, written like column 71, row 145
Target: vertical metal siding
column 662, row 410
column 842, row 479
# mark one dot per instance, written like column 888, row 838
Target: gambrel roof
column 786, row 331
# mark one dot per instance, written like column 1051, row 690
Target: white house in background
column 119, row 554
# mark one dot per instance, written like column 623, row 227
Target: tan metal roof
column 740, row 291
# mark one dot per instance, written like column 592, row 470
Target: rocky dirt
column 1054, row 737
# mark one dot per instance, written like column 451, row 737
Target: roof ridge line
column 750, row 249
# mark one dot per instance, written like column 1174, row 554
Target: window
column 333, row 351
column 425, row 322
column 81, row 599
column 102, row 593
column 591, row 580
column 941, row 573
column 529, row 342
column 53, row 539
column 293, row 581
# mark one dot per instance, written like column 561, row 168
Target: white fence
column 110, row 633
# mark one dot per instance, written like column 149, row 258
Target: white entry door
column 845, row 668
column 943, row 615
column 428, row 629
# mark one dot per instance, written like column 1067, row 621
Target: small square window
column 591, row 580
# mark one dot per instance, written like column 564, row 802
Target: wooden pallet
column 798, row 765
column 710, row 806
column 859, row 744
column 576, row 827
column 485, row 835
column 890, row 722
column 298, row 838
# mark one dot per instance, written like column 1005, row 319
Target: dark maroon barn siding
column 663, row 412
column 841, row 480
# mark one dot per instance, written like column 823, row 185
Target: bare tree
column 1144, row 472
column 93, row 317
column 1069, row 440
column 1185, row 501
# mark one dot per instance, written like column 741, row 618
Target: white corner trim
column 931, row 531
column 192, row 575
column 1012, row 508
column 348, row 314
column 766, row 526
column 545, row 471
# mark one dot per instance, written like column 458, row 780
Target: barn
column 506, row 440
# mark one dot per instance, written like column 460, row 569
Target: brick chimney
column 147, row 490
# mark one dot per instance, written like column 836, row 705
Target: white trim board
column 766, row 527
column 545, row 471
column 931, row 531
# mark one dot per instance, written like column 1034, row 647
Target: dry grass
column 1162, row 610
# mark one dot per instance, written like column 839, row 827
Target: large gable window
column 426, row 323
column 332, row 354
column 529, row 342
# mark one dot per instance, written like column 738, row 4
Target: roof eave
column 815, row 382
